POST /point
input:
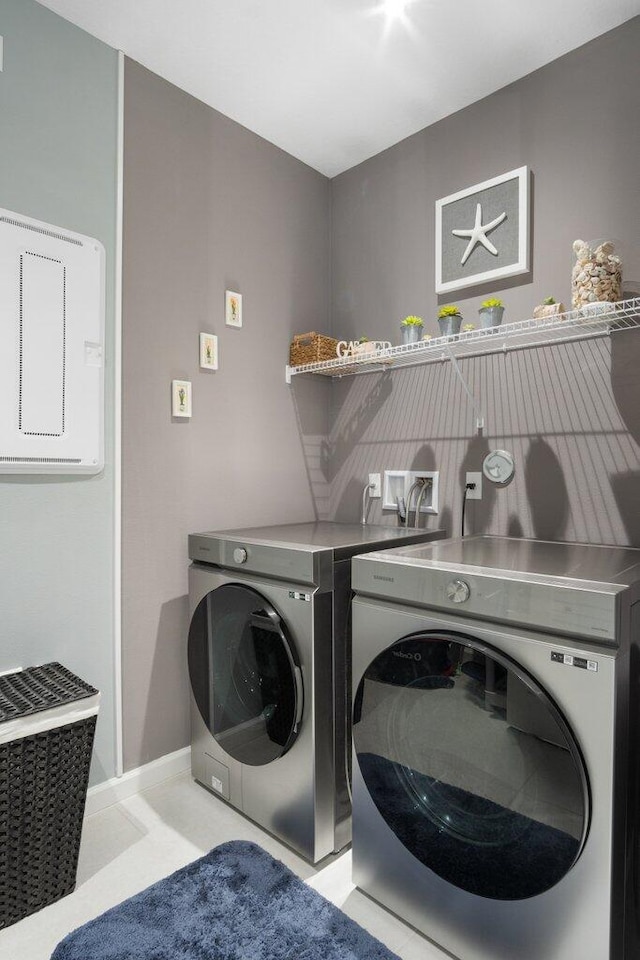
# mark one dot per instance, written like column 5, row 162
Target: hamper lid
column 40, row 688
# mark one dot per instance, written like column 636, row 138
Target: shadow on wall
column 445, row 521
column 478, row 513
column 625, row 363
column 546, row 491
column 425, row 458
column 349, row 509
column 337, row 449
column 165, row 724
column 311, row 401
column 626, row 490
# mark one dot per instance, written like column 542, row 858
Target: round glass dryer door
column 471, row 765
column 244, row 674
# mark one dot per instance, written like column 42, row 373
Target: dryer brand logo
column 407, row 656
column 388, row 579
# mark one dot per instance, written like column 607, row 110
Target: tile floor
column 140, row 840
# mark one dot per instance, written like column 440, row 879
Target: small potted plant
column 491, row 313
column 449, row 320
column 364, row 346
column 548, row 308
column 411, row 328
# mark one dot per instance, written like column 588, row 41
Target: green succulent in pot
column 410, row 328
column 449, row 320
column 451, row 310
column 491, row 312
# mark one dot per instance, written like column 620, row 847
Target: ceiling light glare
column 394, row 9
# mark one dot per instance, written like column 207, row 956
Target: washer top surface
column 344, row 539
column 298, row 552
column 508, row 557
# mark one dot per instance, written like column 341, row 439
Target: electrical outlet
column 476, row 493
column 375, row 485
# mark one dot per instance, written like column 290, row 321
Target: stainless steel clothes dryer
column 269, row 665
column 495, row 784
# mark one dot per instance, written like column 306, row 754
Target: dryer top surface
column 509, row 558
column 572, row 588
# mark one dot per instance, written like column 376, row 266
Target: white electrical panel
column 52, row 293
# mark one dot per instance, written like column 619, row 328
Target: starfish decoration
column 478, row 234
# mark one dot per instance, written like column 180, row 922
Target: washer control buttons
column 240, row 555
column 458, row 591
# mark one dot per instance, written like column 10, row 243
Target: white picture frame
column 464, row 253
column 181, row 398
column 208, row 351
column 233, row 309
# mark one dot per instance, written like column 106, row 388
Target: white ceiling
column 334, row 81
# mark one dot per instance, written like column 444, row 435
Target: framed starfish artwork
column 482, row 233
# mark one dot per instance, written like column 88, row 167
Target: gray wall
column 208, row 206
column 58, row 97
column 570, row 413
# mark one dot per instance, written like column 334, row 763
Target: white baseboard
column 133, row 781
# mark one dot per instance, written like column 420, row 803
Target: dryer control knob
column 458, row 591
column 240, row 555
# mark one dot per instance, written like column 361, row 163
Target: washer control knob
column 240, row 555
column 458, row 591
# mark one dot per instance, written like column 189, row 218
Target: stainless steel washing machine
column 269, row 665
column 496, row 714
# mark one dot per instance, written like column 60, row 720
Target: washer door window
column 244, row 674
column 471, row 765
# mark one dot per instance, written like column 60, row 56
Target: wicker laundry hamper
column 47, row 724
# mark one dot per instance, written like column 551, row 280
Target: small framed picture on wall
column 181, row 398
column 208, row 351
column 233, row 309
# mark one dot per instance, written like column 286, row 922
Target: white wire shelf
column 597, row 320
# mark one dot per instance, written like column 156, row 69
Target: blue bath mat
column 236, row 903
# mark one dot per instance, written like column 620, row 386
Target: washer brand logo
column 407, row 656
column 388, row 579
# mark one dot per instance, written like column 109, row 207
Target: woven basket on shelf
column 311, row 348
